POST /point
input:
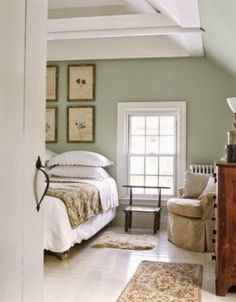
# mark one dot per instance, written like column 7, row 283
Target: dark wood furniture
column 156, row 210
column 225, row 254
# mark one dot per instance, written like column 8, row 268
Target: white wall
column 22, row 107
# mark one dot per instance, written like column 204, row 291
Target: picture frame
column 81, row 82
column 52, row 83
column 81, row 124
column 51, row 124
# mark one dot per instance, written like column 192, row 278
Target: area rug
column 164, row 282
column 126, row 241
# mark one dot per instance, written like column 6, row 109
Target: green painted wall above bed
column 197, row 81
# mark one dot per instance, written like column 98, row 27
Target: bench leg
column 156, row 222
column 126, row 221
column 130, row 220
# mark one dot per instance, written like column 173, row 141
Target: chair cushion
column 185, row 207
column 194, row 184
column 210, row 187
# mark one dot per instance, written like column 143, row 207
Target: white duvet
column 58, row 234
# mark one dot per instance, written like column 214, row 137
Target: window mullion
column 138, row 133
column 158, row 159
column 145, row 151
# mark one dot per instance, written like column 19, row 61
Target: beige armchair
column 190, row 224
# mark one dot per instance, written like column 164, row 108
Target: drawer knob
column 213, row 257
column 214, row 232
column 213, row 219
column 215, row 205
column 213, row 241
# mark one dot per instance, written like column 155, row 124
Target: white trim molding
column 124, row 109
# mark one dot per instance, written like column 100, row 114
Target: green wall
column 197, row 81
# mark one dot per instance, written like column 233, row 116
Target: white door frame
column 23, row 41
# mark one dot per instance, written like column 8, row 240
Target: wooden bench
column 156, row 210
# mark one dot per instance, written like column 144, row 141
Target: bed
column 59, row 232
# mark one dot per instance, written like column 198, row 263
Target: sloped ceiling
column 218, row 18
column 104, row 29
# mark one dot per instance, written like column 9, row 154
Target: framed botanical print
column 51, row 125
column 81, row 124
column 81, row 82
column 52, row 83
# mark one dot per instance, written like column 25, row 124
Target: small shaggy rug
column 164, row 282
column 126, row 241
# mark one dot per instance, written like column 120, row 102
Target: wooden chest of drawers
column 226, row 228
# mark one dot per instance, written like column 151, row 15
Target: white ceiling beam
column 183, row 12
column 55, row 4
column 131, row 32
column 140, row 6
column 188, row 13
column 113, row 48
column 108, row 22
column 103, row 8
column 129, row 22
column 167, row 7
column 193, row 44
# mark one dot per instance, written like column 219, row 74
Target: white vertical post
column 22, row 106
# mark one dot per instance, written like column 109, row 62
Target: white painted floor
column 99, row 275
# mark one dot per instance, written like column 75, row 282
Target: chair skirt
column 198, row 236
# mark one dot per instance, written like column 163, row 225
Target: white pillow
column 194, row 184
column 49, row 154
column 210, row 187
column 82, row 158
column 79, row 171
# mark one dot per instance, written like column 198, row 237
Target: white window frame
column 174, row 156
column 127, row 108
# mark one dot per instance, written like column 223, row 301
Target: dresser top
column 225, row 164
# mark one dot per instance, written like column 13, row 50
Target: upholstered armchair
column 190, row 224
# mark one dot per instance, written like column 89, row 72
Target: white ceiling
column 105, row 29
column 219, row 20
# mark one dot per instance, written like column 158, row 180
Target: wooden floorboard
column 99, row 275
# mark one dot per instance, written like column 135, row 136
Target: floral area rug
column 164, row 282
column 126, row 241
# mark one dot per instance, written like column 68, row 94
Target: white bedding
column 58, row 234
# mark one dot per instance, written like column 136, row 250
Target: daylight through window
column 152, row 151
column 151, row 147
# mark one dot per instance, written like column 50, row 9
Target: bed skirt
column 58, row 234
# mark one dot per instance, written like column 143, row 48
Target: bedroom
column 201, row 82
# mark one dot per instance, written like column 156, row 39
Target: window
column 152, row 151
column 151, row 143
